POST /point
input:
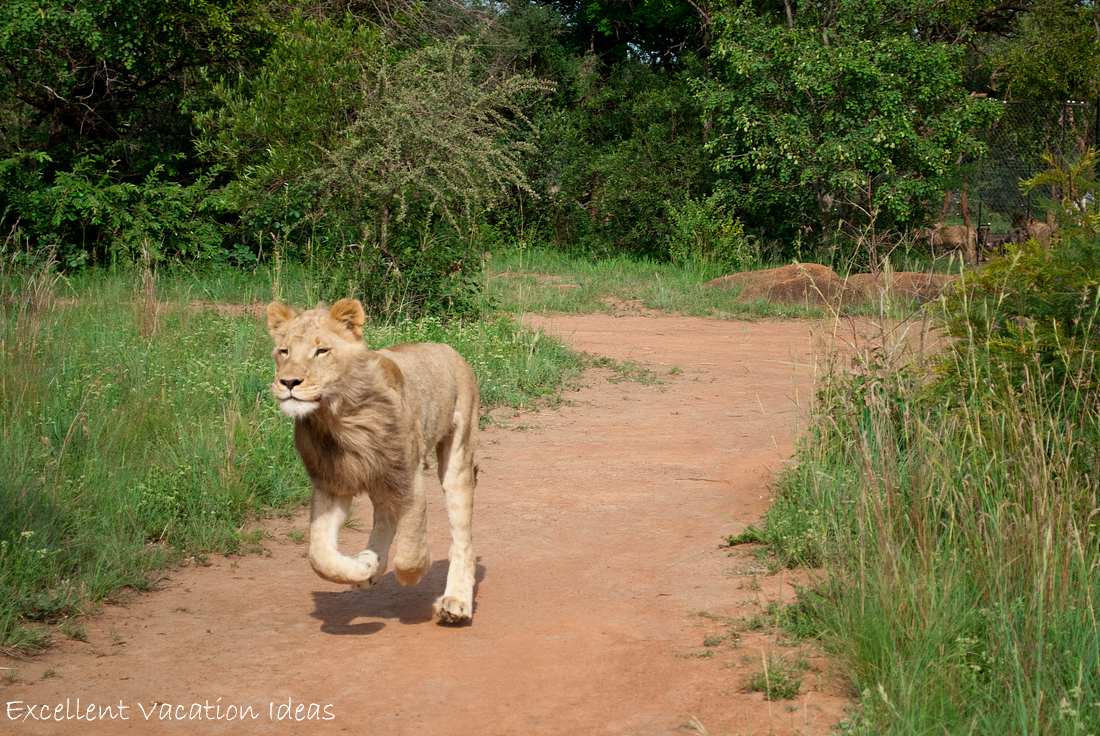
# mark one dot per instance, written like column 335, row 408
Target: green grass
column 541, row 280
column 959, row 533
column 128, row 443
column 778, row 679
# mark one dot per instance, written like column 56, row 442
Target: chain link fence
column 1015, row 148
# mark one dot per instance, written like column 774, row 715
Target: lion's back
column 439, row 380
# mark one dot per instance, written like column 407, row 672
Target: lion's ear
column 349, row 313
column 277, row 315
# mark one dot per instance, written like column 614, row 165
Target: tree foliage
column 111, row 76
column 403, row 136
column 816, row 124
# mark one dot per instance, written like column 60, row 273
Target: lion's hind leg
column 381, row 537
column 458, row 476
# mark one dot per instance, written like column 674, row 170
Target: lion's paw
column 372, row 570
column 453, row 610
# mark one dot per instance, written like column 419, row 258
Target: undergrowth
column 953, row 503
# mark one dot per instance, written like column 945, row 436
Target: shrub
column 387, row 162
column 86, row 214
column 1034, row 310
column 619, row 148
column 434, row 143
column 833, row 116
column 701, row 232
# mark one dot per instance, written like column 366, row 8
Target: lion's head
column 313, row 352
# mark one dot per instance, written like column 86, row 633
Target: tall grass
column 955, row 507
column 128, row 442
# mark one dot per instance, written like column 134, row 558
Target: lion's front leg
column 411, row 557
column 328, row 513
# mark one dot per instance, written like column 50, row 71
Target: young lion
column 367, row 421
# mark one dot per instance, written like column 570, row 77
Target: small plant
column 713, row 640
column 1074, row 187
column 73, row 630
column 626, row 370
column 779, row 679
column 751, row 535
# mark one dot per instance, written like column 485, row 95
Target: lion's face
column 313, row 351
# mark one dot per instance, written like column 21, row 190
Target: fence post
column 1096, row 125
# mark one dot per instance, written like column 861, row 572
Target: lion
column 953, row 237
column 1028, row 228
column 368, row 421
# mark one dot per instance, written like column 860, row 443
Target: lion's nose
column 290, row 383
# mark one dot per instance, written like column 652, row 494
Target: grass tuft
column 779, row 679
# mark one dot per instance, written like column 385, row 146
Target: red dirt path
column 597, row 527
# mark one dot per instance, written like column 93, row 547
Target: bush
column 837, row 117
column 85, row 214
column 621, row 146
column 269, row 130
column 954, row 509
column 701, row 232
column 1034, row 310
column 387, row 163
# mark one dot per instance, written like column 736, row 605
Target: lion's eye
column 321, row 351
column 284, row 352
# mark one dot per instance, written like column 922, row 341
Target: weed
column 625, row 370
column 779, row 679
column 73, row 630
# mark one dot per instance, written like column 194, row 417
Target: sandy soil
column 598, row 528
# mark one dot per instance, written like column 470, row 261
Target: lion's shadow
column 337, row 610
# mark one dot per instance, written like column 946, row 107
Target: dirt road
column 597, row 527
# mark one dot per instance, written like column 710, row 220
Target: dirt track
column 597, row 528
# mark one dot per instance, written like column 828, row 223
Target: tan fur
column 369, row 421
column 1039, row 231
column 954, row 237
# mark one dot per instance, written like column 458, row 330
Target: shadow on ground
column 338, row 610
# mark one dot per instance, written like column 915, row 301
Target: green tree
column 621, row 145
column 95, row 119
column 1052, row 53
column 108, row 76
column 845, row 120
column 268, row 130
column 434, row 142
